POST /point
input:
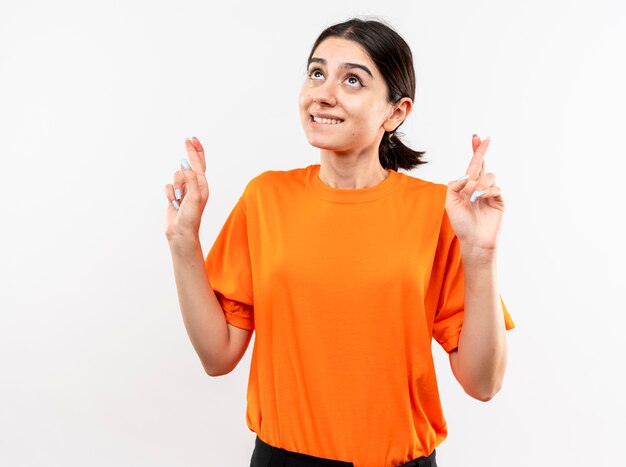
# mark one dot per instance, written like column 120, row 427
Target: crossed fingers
column 482, row 184
column 477, row 164
column 185, row 181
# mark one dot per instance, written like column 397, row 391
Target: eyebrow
column 343, row 65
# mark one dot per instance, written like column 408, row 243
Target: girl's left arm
column 475, row 206
column 480, row 360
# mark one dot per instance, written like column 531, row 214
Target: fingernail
column 476, row 195
column 460, row 179
column 488, row 138
column 178, row 193
column 193, row 137
column 186, row 165
column 175, row 204
column 474, row 135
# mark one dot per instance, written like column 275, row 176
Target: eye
column 354, row 81
column 315, row 73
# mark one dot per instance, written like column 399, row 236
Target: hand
column 474, row 203
column 184, row 214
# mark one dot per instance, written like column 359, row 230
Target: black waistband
column 265, row 455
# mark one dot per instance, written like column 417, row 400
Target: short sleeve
column 229, row 272
column 448, row 278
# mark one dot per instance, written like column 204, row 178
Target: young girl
column 346, row 270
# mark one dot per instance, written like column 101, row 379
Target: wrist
column 183, row 243
column 471, row 254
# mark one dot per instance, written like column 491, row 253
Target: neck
column 350, row 171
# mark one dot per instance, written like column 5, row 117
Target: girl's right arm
column 218, row 344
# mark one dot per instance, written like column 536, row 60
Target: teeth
column 328, row 121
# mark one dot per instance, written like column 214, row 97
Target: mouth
column 326, row 121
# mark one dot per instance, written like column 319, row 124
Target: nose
column 325, row 94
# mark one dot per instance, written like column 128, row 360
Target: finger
column 494, row 192
column 475, row 142
column 169, row 193
column 195, row 151
column 485, row 183
column 473, row 170
column 192, row 189
column 460, row 183
column 200, row 149
column 457, row 185
column 179, row 185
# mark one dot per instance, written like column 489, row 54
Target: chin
column 322, row 143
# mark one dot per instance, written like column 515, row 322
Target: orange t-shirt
column 345, row 290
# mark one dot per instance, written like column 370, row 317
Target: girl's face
column 343, row 101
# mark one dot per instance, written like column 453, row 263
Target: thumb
column 456, row 186
column 191, row 181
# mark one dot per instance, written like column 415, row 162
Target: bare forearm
column 482, row 352
column 202, row 314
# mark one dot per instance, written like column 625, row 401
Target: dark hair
column 393, row 58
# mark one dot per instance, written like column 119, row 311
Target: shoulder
column 276, row 178
column 425, row 200
column 424, row 190
column 275, row 181
column 422, row 184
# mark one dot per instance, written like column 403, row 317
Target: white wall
column 95, row 101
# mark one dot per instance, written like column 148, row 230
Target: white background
column 96, row 99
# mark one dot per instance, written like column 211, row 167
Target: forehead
column 336, row 50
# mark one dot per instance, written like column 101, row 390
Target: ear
column 400, row 111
